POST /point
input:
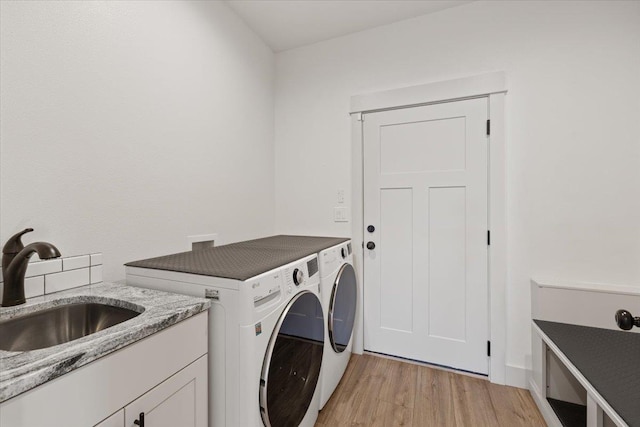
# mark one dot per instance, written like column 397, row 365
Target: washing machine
column 266, row 340
column 339, row 294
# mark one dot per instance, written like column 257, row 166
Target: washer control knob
column 343, row 252
column 298, row 277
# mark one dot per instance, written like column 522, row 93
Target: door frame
column 493, row 86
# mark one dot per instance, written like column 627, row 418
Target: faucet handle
column 14, row 244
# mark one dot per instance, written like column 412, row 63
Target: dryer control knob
column 343, row 252
column 298, row 277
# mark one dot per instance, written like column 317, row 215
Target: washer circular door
column 291, row 367
column 342, row 308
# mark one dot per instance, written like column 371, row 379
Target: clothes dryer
column 258, row 374
column 338, row 289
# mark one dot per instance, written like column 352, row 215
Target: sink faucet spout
column 15, row 259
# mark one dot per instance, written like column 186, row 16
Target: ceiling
column 287, row 24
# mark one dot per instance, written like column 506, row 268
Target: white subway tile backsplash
column 33, row 286
column 48, row 276
column 96, row 259
column 66, row 280
column 96, row 274
column 75, row 262
column 38, row 268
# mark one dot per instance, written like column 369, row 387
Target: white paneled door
column 425, row 218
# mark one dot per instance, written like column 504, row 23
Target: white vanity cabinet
column 163, row 376
column 115, row 420
column 175, row 402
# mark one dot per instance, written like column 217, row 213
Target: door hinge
column 488, row 237
column 489, row 348
column 360, row 117
column 488, row 127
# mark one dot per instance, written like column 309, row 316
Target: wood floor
column 377, row 391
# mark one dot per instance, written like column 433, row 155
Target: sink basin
column 58, row 325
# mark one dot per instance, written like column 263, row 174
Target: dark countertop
column 241, row 260
column 608, row 359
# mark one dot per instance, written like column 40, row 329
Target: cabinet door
column 180, row 400
column 115, row 420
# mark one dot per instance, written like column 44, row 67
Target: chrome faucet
column 15, row 259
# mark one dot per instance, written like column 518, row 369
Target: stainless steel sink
column 58, row 325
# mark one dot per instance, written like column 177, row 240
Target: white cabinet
column 559, row 388
column 163, row 375
column 115, row 420
column 179, row 401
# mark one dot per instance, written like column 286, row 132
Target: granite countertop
column 24, row 370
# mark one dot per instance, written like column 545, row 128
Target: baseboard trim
column 517, row 377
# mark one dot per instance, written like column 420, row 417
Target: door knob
column 371, row 246
column 626, row 321
column 371, row 228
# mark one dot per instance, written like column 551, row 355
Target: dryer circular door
column 291, row 366
column 342, row 308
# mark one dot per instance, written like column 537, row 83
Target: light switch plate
column 340, row 196
column 340, row 214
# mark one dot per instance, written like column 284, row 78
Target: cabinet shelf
column 569, row 414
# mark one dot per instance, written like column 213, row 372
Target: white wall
column 573, row 126
column 127, row 126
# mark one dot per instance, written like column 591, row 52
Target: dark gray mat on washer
column 229, row 261
column 311, row 244
column 241, row 260
column 608, row 359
